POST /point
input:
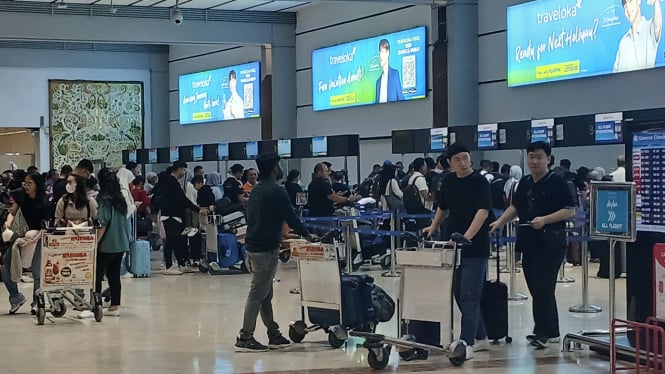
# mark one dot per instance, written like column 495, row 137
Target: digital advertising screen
column 648, row 164
column 251, row 150
column 223, row 151
column 197, row 151
column 376, row 70
column 152, row 155
column 284, row 148
column 553, row 40
column 438, row 138
column 608, row 128
column 174, row 154
column 228, row 93
column 320, row 146
column 542, row 130
column 132, row 155
column 487, row 136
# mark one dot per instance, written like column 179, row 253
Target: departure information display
column 648, row 172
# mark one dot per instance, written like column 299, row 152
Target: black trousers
column 109, row 264
column 541, row 264
column 195, row 247
column 175, row 243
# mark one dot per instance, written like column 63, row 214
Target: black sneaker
column 531, row 338
column 249, row 345
column 278, row 342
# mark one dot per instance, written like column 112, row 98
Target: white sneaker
column 469, row 352
column 112, row 313
column 481, row 345
column 86, row 314
column 189, row 269
column 173, row 270
column 185, row 231
column 127, row 275
column 192, row 231
column 106, row 304
column 26, row 279
column 568, row 265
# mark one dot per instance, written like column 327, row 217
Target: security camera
column 177, row 16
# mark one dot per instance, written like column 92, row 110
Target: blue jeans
column 469, row 280
column 12, row 287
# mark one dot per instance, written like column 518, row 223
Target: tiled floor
column 188, row 324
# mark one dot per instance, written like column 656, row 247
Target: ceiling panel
column 203, row 4
column 278, row 5
column 242, row 4
column 115, row 2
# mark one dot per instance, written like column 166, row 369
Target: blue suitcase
column 229, row 253
column 139, row 258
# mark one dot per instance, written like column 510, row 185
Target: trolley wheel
column 296, row 334
column 458, row 355
column 509, row 339
column 285, row 256
column 59, row 308
column 41, row 316
column 385, row 262
column 374, row 361
column 99, row 312
column 334, row 341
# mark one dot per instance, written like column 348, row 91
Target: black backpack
column 498, row 193
column 411, row 198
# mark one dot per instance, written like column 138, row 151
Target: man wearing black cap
column 466, row 196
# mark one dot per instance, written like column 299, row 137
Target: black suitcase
column 357, row 307
column 494, row 306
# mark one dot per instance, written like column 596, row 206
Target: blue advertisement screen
column 222, row 94
column 252, row 150
column 487, row 136
column 198, row 152
column 608, row 132
column 381, row 69
column 284, row 148
column 553, row 40
column 152, row 155
column 132, row 156
column 174, row 154
column 223, row 151
column 437, row 139
column 319, row 146
column 613, row 211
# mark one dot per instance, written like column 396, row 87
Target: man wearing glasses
column 638, row 48
column 543, row 204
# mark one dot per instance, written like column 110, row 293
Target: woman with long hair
column 388, row 184
column 31, row 200
column 112, row 237
column 74, row 207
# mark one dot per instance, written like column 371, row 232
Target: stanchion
column 393, row 273
column 510, row 262
column 612, row 306
column 348, row 247
column 585, row 307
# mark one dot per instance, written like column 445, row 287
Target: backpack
column 411, row 198
column 384, row 305
column 498, row 192
column 376, row 188
column 435, row 185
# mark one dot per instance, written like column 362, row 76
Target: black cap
column 456, row 148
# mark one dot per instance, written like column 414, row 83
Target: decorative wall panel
column 96, row 120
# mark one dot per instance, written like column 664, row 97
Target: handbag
column 394, row 202
column 19, row 225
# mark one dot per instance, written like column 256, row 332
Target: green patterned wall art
column 96, row 120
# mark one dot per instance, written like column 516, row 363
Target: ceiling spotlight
column 61, row 4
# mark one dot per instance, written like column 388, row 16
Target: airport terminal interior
column 382, row 117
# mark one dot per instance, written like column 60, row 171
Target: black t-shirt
column 205, row 197
column 318, row 202
column 232, row 188
column 548, row 196
column 292, row 189
column 463, row 197
column 340, row 187
column 34, row 211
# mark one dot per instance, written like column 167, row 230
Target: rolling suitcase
column 139, row 258
column 357, row 306
column 494, row 305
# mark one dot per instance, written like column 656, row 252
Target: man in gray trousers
column 268, row 208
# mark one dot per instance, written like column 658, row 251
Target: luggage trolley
column 320, row 288
column 421, row 268
column 68, row 263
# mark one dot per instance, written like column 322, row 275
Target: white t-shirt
column 420, row 182
column 235, row 108
column 383, row 92
column 619, row 175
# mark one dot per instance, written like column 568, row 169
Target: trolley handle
column 327, row 235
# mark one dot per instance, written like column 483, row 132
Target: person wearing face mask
column 268, row 208
column 293, row 186
column 75, row 207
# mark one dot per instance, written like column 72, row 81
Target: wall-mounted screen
column 319, row 146
column 438, row 138
column 132, row 155
column 223, row 151
column 174, row 154
column 197, row 151
column 542, row 130
column 152, row 155
column 284, row 148
column 609, row 128
column 648, row 170
column 251, row 150
column 487, row 138
column 228, row 93
column 381, row 69
column 552, row 40
column 163, row 155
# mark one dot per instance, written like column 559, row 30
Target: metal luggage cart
column 421, row 269
column 68, row 264
column 320, row 287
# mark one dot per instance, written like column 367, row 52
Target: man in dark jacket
column 268, row 208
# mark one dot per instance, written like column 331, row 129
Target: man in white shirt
column 234, row 107
column 638, row 48
column 486, row 169
column 418, row 179
column 619, row 175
